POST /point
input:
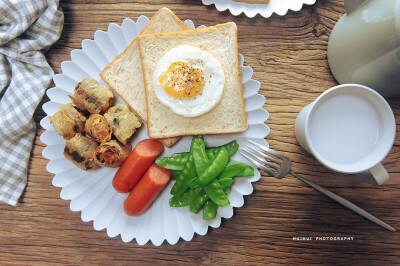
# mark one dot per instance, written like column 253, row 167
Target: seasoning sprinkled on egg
column 189, row 80
column 182, row 81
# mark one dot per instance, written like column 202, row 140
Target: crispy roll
column 68, row 121
column 81, row 151
column 112, row 153
column 92, row 96
column 97, row 128
column 122, row 121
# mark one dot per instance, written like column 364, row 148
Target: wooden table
column 288, row 55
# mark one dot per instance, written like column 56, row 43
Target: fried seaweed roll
column 97, row 128
column 112, row 153
column 122, row 121
column 92, row 96
column 68, row 121
column 81, row 151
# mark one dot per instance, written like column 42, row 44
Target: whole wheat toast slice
column 125, row 75
column 228, row 116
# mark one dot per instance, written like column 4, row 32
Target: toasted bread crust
column 159, row 12
column 185, row 32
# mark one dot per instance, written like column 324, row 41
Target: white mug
column 350, row 129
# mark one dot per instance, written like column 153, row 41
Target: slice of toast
column 125, row 75
column 228, row 116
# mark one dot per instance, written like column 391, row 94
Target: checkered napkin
column 27, row 29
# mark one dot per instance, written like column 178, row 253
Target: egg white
column 214, row 80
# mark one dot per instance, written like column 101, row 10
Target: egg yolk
column 182, row 81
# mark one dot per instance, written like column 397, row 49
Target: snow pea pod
column 226, row 182
column 232, row 147
column 181, row 183
column 173, row 163
column 199, row 201
column 185, row 199
column 211, row 152
column 198, row 151
column 202, row 198
column 231, row 170
column 175, row 174
column 177, row 160
column 211, row 155
column 213, row 170
column 209, row 210
column 227, row 190
column 216, row 193
column 248, row 171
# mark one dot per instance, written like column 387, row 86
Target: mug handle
column 377, row 175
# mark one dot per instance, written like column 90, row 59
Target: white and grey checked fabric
column 27, row 29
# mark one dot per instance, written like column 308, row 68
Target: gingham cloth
column 27, row 29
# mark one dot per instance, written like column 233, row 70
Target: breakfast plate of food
column 263, row 7
column 143, row 126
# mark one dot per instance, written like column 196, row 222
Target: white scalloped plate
column 92, row 193
column 279, row 7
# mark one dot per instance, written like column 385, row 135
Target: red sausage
column 146, row 190
column 136, row 164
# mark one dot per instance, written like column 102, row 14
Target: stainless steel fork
column 278, row 166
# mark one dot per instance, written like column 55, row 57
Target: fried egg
column 189, row 80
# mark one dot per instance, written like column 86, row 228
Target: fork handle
column 345, row 203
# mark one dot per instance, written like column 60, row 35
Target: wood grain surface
column 288, row 56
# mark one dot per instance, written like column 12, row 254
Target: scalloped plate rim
column 252, row 10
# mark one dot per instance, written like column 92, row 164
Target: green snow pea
column 202, row 198
column 175, row 174
column 198, row 202
column 173, row 163
column 181, row 183
column 227, row 190
column 185, row 199
column 216, row 193
column 211, row 152
column 231, row 170
column 209, row 210
column 248, row 171
column 226, row 182
column 198, row 151
column 232, row 147
column 213, row 170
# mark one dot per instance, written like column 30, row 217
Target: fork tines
column 266, row 149
column 256, row 163
column 258, row 158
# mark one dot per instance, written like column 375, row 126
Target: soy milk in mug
column 345, row 128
